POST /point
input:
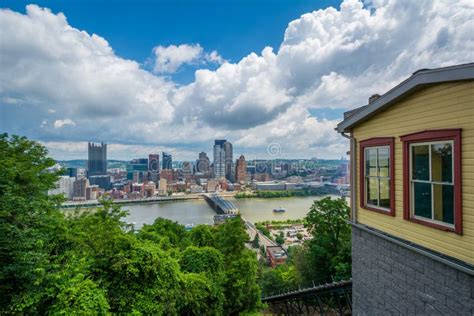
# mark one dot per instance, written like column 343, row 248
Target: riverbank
column 320, row 191
column 172, row 198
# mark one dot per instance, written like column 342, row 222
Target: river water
column 199, row 212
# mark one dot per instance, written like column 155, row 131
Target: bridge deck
column 221, row 205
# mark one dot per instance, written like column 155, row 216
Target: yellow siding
column 448, row 105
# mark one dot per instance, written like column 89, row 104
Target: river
column 199, row 212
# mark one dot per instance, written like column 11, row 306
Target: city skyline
column 284, row 77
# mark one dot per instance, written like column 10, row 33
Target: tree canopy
column 324, row 258
column 91, row 262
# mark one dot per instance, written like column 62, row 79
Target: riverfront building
column 80, row 186
column 64, row 186
column 412, row 176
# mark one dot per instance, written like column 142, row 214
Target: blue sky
column 234, row 28
column 152, row 76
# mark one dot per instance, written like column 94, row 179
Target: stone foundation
column 390, row 279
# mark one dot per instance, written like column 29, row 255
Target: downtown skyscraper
column 241, row 170
column 97, row 159
column 222, row 159
column 167, row 161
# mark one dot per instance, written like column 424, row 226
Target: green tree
column 327, row 254
column 240, row 289
column 31, row 229
column 209, row 263
column 136, row 273
column 256, row 242
column 165, row 231
column 202, row 236
column 75, row 291
column 92, row 262
column 231, row 237
column 278, row 279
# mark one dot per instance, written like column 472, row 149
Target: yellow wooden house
column 412, row 198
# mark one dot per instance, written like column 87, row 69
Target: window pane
column 422, row 199
column 384, row 193
column 443, row 203
column 421, row 162
column 372, row 191
column 371, row 162
column 442, row 162
column 383, row 155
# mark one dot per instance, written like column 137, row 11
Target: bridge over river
column 221, row 205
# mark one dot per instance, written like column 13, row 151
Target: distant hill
column 82, row 163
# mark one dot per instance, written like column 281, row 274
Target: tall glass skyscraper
column 154, row 162
column 229, row 174
column 222, row 159
column 97, row 159
column 167, row 161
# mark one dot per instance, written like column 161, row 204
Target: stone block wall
column 389, row 279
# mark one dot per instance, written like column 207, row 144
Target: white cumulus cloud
column 61, row 123
column 169, row 59
column 329, row 60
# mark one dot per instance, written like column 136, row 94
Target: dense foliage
column 313, row 191
column 94, row 263
column 324, row 258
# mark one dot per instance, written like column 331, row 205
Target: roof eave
column 410, row 85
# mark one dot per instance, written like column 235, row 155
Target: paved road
column 252, row 231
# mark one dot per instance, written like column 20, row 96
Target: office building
column 153, row 167
column 148, row 189
column 212, row 185
column 154, row 162
column 229, row 171
column 167, row 174
column 167, row 161
column 97, row 159
column 187, row 168
column 219, row 159
column 64, row 186
column 92, row 192
column 241, row 170
column 163, row 187
column 137, row 170
column 222, row 164
column 202, row 164
column 72, row 172
column 102, row 181
column 80, row 186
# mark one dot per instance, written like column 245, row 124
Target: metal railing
column 323, row 299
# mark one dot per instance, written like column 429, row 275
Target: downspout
column 353, row 175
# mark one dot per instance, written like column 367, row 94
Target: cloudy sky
column 175, row 75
